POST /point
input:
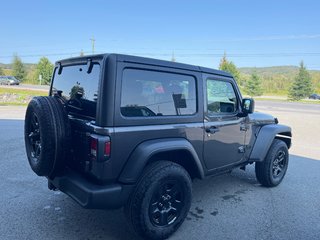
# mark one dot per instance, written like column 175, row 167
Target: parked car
column 120, row 130
column 315, row 96
column 9, row 80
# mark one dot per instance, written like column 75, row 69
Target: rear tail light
column 107, row 149
column 94, row 147
column 100, row 148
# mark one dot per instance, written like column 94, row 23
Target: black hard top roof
column 147, row 61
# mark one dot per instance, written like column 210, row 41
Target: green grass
column 309, row 101
column 22, row 92
column 13, row 104
column 278, row 93
column 18, row 97
column 270, row 99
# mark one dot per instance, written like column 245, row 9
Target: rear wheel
column 161, row 200
column 272, row 170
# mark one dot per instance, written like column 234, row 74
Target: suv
column 120, row 130
column 314, row 96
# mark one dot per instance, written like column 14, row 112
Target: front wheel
column 161, row 200
column 272, row 170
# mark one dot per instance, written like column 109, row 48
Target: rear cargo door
column 77, row 84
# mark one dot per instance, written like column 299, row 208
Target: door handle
column 212, row 129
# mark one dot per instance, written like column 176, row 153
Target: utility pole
column 40, row 79
column 173, row 58
column 92, row 43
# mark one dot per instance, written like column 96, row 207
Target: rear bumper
column 90, row 195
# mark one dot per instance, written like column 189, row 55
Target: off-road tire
column 155, row 180
column 47, row 135
column 276, row 161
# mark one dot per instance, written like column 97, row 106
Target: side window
column 150, row 93
column 221, row 97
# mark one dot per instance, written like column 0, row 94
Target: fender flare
column 143, row 153
column 265, row 138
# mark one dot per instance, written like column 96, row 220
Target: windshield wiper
column 89, row 65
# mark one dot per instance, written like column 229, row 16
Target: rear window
column 79, row 88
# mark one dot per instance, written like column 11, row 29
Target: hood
column 258, row 118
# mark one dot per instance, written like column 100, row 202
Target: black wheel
column 47, row 135
column 272, row 170
column 160, row 201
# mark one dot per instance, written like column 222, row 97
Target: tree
column 253, row 87
column 302, row 85
column 1, row 71
column 230, row 67
column 81, row 53
column 32, row 76
column 18, row 69
column 44, row 68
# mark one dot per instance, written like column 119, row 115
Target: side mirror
column 247, row 106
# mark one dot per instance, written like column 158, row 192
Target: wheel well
column 286, row 137
column 182, row 157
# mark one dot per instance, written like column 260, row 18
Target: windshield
column 79, row 88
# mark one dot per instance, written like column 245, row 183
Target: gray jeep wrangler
column 120, row 130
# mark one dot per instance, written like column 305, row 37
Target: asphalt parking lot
column 232, row 206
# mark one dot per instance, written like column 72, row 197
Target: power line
column 235, row 55
column 48, row 54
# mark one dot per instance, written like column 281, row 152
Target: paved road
column 304, row 120
column 294, row 107
column 232, row 206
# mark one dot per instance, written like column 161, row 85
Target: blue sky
column 252, row 33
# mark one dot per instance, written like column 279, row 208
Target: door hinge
column 244, row 127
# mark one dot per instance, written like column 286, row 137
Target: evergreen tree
column 230, row 67
column 44, row 68
column 18, row 69
column 253, row 87
column 302, row 85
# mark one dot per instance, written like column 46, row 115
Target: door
column 224, row 131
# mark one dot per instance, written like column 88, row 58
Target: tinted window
column 79, row 88
column 221, row 97
column 150, row 93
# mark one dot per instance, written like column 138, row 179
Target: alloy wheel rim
column 166, row 204
column 279, row 164
column 34, row 137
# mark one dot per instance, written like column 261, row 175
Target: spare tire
column 47, row 135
